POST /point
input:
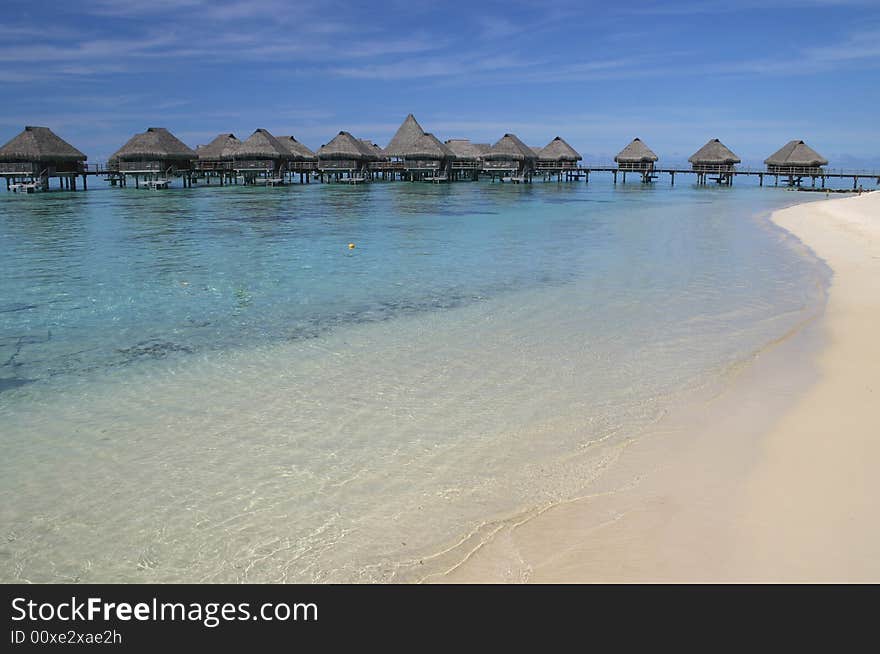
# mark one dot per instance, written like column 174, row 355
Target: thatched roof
column 39, row 144
column 464, row 150
column 558, row 150
column 407, row 134
column 509, row 147
column 155, row 143
column 796, row 153
column 636, row 152
column 259, row 145
column 375, row 149
column 345, row 146
column 299, row 151
column 215, row 149
column 714, row 153
column 428, row 146
column 483, row 148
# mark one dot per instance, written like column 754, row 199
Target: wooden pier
column 792, row 178
column 26, row 181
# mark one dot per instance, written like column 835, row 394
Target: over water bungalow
column 35, row 155
column 407, row 134
column 636, row 156
column 795, row 159
column 345, row 158
column 302, row 160
column 210, row 156
column 714, row 158
column 261, row 158
column 154, row 156
column 511, row 156
column 468, row 159
column 402, row 152
column 427, row 158
column 557, row 156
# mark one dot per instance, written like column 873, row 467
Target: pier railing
column 739, row 169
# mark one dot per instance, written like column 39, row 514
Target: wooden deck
column 797, row 178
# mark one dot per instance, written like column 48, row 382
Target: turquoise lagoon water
column 209, row 385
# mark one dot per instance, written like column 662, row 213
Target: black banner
column 256, row 618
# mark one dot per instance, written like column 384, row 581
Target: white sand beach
column 773, row 479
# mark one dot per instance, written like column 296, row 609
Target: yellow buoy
column 351, row 246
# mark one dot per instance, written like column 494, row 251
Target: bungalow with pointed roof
column 636, row 156
column 717, row 158
column 714, row 157
column 407, row 134
column 796, row 158
column 428, row 158
column 39, row 153
column 509, row 154
column 155, row 154
column 302, row 159
column 557, row 155
column 417, row 153
column 210, row 156
column 468, row 159
column 261, row 155
column 346, row 155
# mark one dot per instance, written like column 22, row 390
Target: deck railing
column 341, row 164
column 22, row 168
column 386, row 165
column 209, row 166
column 302, row 166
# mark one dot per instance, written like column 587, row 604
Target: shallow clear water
column 208, row 385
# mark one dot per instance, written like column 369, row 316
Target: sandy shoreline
column 771, row 481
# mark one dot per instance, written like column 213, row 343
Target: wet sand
column 771, row 479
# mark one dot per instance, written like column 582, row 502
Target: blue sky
column 754, row 73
